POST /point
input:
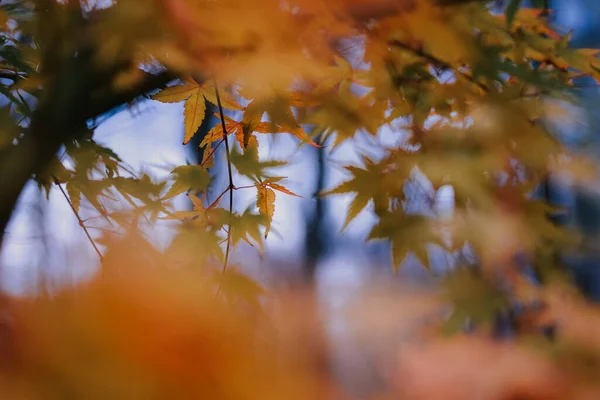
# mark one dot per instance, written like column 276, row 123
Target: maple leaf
column 195, row 95
column 460, row 288
column 343, row 114
column 367, row 184
column 188, row 177
column 236, row 285
column 144, row 190
column 199, row 212
column 74, row 192
column 280, row 114
column 194, row 243
column 265, row 201
column 251, row 121
column 248, row 164
column 406, row 233
column 245, row 227
column 92, row 189
column 243, row 135
column 271, row 182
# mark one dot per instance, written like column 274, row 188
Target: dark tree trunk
column 315, row 243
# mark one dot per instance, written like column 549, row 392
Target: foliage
column 468, row 93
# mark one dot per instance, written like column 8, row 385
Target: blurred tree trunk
column 316, row 238
column 76, row 90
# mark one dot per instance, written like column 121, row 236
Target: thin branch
column 436, row 61
column 214, row 203
column 79, row 220
column 111, row 99
column 212, row 152
column 230, row 174
column 244, row 187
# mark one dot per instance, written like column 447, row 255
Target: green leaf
column 407, row 233
column 248, row 164
column 236, row 285
column 188, row 177
column 369, row 184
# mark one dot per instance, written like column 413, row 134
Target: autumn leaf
column 248, row 164
column 244, row 227
column 281, row 116
column 251, row 121
column 198, row 212
column 195, row 95
column 244, row 137
column 368, row 186
column 280, row 188
column 74, row 194
column 188, row 177
column 265, row 201
column 236, row 285
column 407, row 233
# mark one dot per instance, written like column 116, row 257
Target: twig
column 79, row 220
column 436, row 61
column 212, row 152
column 231, row 186
column 214, row 203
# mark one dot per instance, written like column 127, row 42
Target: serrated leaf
column 248, row 164
column 208, row 159
column 196, row 202
column 175, row 94
column 282, row 189
column 407, row 233
column 188, row 177
column 236, row 128
column 74, row 195
column 227, row 100
column 245, row 227
column 368, row 184
column 356, row 206
column 195, row 96
column 236, row 285
column 194, row 110
column 265, row 201
column 252, row 117
column 181, row 215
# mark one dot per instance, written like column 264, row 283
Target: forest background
column 494, row 102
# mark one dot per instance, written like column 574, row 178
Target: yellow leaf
column 356, row 206
column 198, row 206
column 282, row 189
column 175, row 94
column 193, row 112
column 227, row 100
column 208, row 161
column 265, row 201
column 299, row 132
column 194, row 95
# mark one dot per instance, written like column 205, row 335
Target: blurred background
column 46, row 248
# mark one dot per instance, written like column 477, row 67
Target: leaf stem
column 212, row 152
column 79, row 220
column 244, row 187
column 214, row 203
column 231, row 186
column 436, row 61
